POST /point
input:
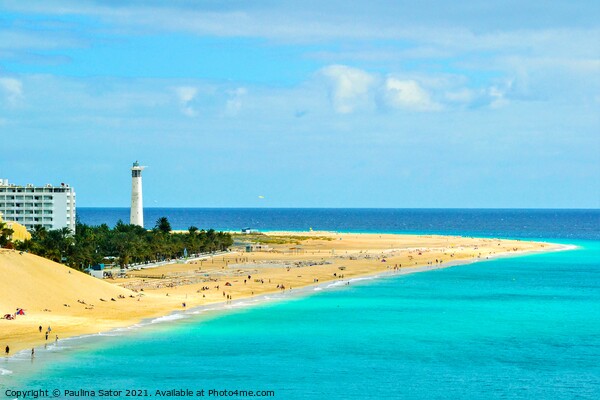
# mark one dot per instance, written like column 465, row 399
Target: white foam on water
column 5, row 371
column 366, row 278
column 128, row 328
column 57, row 348
column 346, row 281
column 248, row 303
column 201, row 311
column 24, row 354
column 89, row 335
column 317, row 289
column 166, row 318
column 204, row 310
column 567, row 247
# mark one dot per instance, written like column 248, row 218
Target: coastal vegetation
column 276, row 239
column 122, row 245
column 5, row 235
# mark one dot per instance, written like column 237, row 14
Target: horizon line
column 349, row 208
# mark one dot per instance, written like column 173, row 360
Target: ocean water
column 523, row 223
column 514, row 328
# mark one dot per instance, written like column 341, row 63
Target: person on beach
column 40, row 329
column 7, row 349
column 56, row 340
column 32, row 352
column 46, row 335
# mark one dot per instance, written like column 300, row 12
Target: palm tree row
column 125, row 244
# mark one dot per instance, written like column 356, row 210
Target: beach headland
column 72, row 303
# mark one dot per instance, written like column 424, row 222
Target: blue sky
column 305, row 104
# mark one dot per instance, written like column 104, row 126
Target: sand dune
column 53, row 295
column 35, row 283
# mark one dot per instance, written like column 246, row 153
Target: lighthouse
column 137, row 204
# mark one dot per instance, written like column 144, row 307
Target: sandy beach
column 72, row 303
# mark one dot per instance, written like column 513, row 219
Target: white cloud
column 497, row 96
column 463, row 96
column 47, row 39
column 12, row 88
column 351, row 88
column 408, row 94
column 235, row 101
column 494, row 96
column 504, row 43
column 552, row 31
column 186, row 95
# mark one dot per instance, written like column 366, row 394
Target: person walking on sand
column 46, row 335
column 40, row 329
column 32, row 352
column 7, row 349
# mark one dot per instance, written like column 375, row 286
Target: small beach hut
column 97, row 271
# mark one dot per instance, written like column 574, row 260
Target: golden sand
column 73, row 303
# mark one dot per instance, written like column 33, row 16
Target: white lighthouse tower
column 137, row 204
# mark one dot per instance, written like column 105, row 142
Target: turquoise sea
column 513, row 328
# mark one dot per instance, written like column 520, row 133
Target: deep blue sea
column 523, row 223
column 514, row 328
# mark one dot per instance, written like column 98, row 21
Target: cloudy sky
column 307, row 103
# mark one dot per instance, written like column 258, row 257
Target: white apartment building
column 52, row 207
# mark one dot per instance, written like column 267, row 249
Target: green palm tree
column 5, row 234
column 39, row 233
column 163, row 225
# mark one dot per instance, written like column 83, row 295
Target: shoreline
column 297, row 292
